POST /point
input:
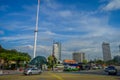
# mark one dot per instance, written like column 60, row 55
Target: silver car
column 30, row 71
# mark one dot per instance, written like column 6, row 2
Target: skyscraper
column 57, row 50
column 106, row 51
column 79, row 56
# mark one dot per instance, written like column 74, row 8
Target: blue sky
column 80, row 25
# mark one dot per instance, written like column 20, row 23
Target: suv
column 30, row 71
column 111, row 70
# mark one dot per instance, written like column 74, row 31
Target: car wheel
column 109, row 73
column 40, row 72
column 30, row 73
column 115, row 73
column 25, row 74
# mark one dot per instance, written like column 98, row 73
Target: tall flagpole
column 36, row 30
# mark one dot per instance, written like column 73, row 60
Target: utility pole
column 36, row 30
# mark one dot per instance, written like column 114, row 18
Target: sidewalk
column 6, row 72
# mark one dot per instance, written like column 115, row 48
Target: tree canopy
column 13, row 55
column 51, row 61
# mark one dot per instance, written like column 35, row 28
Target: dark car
column 111, row 70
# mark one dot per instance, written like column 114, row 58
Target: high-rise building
column 106, row 51
column 79, row 56
column 57, row 50
column 117, row 58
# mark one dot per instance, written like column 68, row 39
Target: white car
column 30, row 71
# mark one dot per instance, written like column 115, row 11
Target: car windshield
column 111, row 67
column 28, row 68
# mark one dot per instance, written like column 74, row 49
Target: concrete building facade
column 79, row 56
column 57, row 50
column 106, row 51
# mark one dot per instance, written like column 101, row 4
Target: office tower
column 106, row 51
column 57, row 50
column 79, row 56
column 117, row 58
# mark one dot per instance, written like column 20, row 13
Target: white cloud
column 112, row 5
column 90, row 30
column 17, row 37
column 42, row 50
column 51, row 4
column 29, row 46
column 96, row 30
column 92, row 48
column 49, row 33
column 25, row 47
column 65, row 13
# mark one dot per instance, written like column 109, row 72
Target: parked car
column 111, row 70
column 106, row 69
column 95, row 67
column 30, row 71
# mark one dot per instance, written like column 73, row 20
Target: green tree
column 85, row 61
column 51, row 61
column 13, row 55
column 99, row 62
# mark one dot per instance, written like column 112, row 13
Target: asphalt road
column 49, row 75
column 95, row 72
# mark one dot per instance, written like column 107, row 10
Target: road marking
column 58, row 77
